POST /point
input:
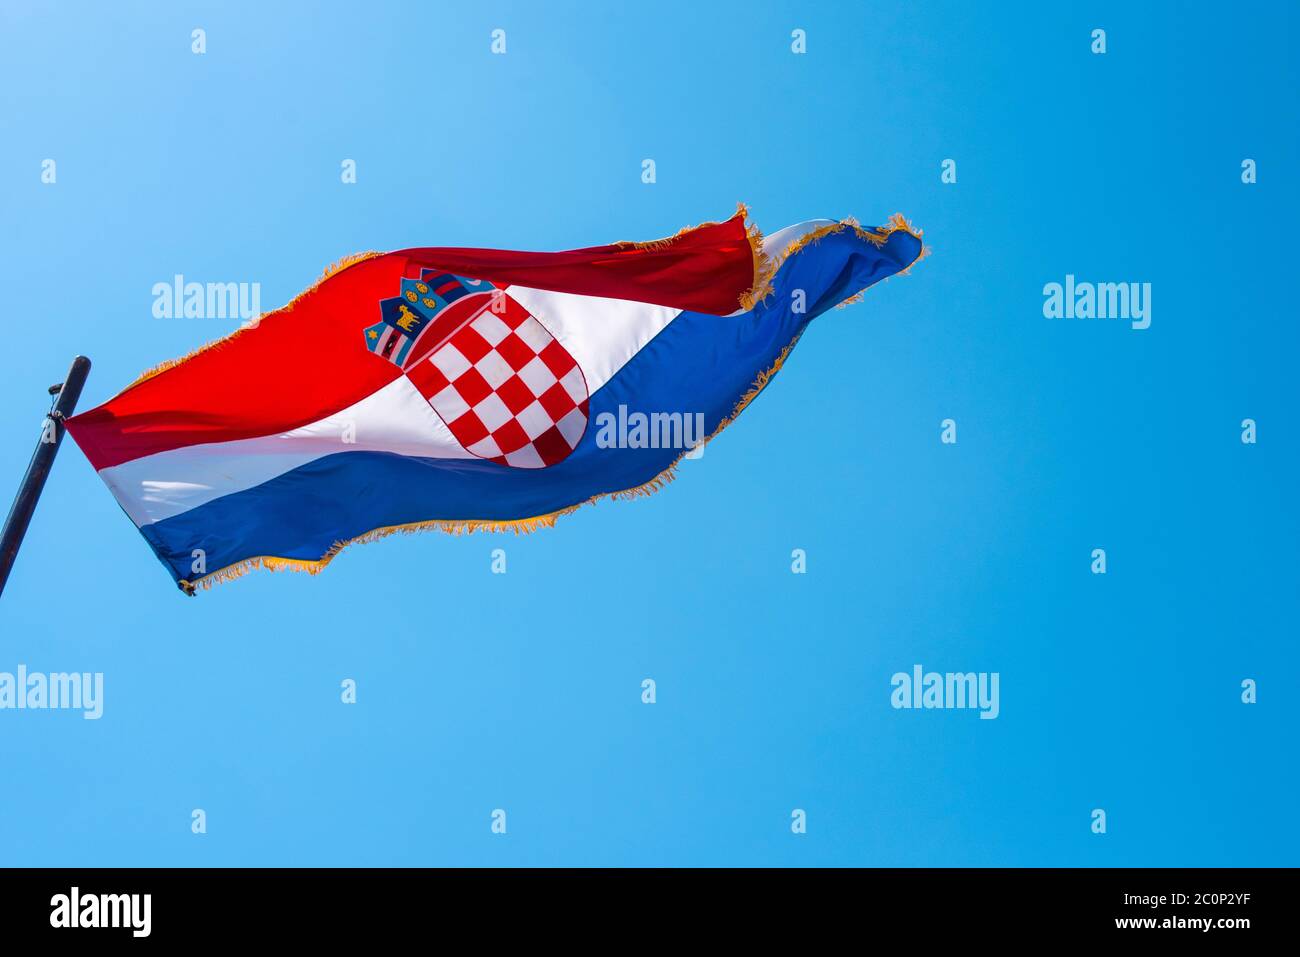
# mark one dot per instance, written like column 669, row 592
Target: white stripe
column 394, row 419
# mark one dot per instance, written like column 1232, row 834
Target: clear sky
column 522, row 691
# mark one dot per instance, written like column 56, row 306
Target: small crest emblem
column 420, row 307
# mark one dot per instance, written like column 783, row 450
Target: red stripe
column 304, row 363
column 705, row 270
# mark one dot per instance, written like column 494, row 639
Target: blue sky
column 523, row 691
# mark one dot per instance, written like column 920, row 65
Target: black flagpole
column 65, row 401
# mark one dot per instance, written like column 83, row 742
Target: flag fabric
column 465, row 389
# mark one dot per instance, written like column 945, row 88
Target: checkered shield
column 506, row 388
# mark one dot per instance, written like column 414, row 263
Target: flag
column 465, row 389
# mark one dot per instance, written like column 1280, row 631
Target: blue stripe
column 698, row 363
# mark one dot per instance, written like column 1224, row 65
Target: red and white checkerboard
column 506, row 388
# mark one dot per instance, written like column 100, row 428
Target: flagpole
column 20, row 515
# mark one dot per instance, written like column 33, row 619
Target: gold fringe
column 330, row 270
column 764, row 265
column 667, row 241
column 764, row 269
column 521, row 526
column 877, row 237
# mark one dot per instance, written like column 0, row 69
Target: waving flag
column 464, row 389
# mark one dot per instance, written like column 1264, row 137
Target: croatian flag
column 465, row 389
